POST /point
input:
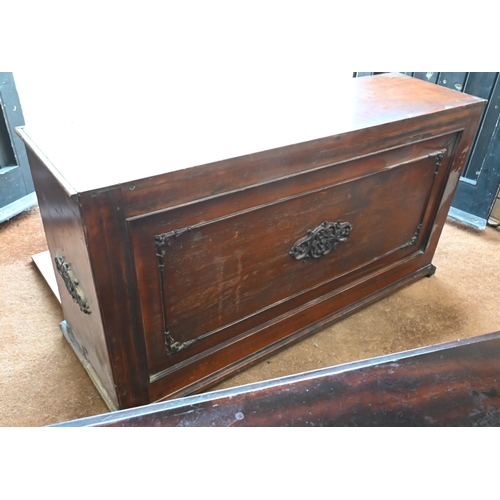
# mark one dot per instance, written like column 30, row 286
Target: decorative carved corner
column 438, row 156
column 161, row 241
column 321, row 240
column 72, row 284
column 413, row 240
column 173, row 346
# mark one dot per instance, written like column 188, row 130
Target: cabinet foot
column 432, row 270
column 70, row 337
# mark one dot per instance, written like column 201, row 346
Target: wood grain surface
column 451, row 384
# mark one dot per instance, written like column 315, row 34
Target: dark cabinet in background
column 17, row 192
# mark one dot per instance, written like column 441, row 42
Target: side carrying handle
column 72, row 284
column 321, row 241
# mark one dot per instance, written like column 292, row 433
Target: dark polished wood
column 193, row 273
column 451, row 384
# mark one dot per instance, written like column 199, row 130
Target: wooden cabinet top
column 167, row 133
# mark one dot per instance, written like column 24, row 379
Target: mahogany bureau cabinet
column 230, row 238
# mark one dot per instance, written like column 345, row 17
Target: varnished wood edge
column 68, row 188
column 281, row 382
column 70, row 337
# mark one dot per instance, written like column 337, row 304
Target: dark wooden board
column 451, row 384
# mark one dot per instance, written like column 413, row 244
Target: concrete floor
column 42, row 381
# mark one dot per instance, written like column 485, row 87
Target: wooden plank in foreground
column 451, row 384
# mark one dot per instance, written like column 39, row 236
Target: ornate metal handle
column 321, row 241
column 72, row 284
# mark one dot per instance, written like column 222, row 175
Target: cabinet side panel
column 70, row 260
column 461, row 154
